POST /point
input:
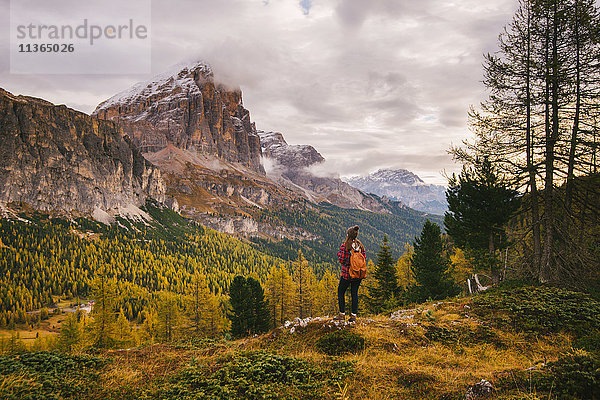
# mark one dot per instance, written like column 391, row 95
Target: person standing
column 351, row 244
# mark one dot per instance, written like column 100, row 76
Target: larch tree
column 198, row 302
column 326, row 295
column 70, row 334
column 304, row 279
column 280, row 290
column 405, row 277
column 539, row 125
column 168, row 315
column 104, row 311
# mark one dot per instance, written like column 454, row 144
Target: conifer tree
column 122, row 329
column 213, row 321
column 168, row 315
column 304, row 279
column 429, row 267
column 385, row 289
column 280, row 289
column 240, row 307
column 104, row 311
column 70, row 334
column 479, row 207
column 198, row 303
column 405, row 276
column 539, row 128
column 249, row 313
column 259, row 321
column 325, row 295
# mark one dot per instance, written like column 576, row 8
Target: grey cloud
column 390, row 80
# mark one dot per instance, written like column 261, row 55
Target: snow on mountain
column 405, row 186
column 177, row 81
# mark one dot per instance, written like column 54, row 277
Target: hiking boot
column 340, row 317
column 352, row 318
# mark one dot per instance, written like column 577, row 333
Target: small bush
column 577, row 376
column 45, row 375
column 540, row 310
column 340, row 342
column 573, row 377
column 256, row 375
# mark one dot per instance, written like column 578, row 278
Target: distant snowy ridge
column 405, row 186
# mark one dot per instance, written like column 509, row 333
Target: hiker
column 353, row 249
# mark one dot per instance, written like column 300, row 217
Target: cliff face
column 56, row 159
column 186, row 108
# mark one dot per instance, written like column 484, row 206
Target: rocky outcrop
column 57, row 159
column 186, row 108
column 404, row 186
column 297, row 166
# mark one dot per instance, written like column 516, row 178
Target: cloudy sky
column 369, row 83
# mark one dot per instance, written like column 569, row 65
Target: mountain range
column 404, row 186
column 185, row 141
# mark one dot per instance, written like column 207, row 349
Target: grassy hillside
column 529, row 343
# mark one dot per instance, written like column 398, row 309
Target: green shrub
column 256, row 375
column 540, row 310
column 437, row 333
column 577, row 376
column 573, row 377
column 340, row 342
column 45, row 375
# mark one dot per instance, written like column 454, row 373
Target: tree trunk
column 572, row 150
column 535, row 212
column 552, row 133
column 545, row 266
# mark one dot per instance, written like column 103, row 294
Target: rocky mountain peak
column 294, row 157
column 176, row 82
column 185, row 107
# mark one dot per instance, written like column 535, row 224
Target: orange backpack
column 358, row 263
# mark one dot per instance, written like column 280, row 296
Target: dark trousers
column 343, row 286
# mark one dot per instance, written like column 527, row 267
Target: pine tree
column 479, row 207
column 429, row 267
column 259, row 321
column 240, row 307
column 384, row 294
column 249, row 313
